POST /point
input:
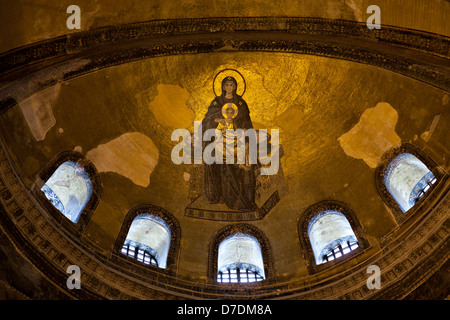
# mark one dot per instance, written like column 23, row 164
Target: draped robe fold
column 227, row 182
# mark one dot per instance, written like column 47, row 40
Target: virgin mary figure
column 228, row 183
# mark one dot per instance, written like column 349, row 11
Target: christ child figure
column 228, row 123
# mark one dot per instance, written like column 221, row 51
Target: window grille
column 239, row 273
column 422, row 191
column 148, row 240
column 340, row 250
column 143, row 255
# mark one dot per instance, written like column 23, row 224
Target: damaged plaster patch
column 373, row 135
column 132, row 155
column 445, row 100
column 38, row 113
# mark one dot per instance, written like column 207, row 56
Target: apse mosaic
column 235, row 171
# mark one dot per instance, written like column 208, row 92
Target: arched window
column 331, row 236
column 240, row 259
column 69, row 189
column 148, row 240
column 151, row 235
column 407, row 179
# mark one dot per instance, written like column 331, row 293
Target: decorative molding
column 234, row 215
column 418, row 40
column 419, row 55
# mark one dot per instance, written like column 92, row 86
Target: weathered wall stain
column 373, row 135
column 426, row 135
column 38, row 112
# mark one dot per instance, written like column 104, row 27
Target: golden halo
column 217, row 82
column 226, row 106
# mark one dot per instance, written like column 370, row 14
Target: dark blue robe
column 228, row 183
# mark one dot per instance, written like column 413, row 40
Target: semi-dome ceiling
column 335, row 119
column 338, row 115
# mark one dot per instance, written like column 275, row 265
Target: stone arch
column 311, row 214
column 389, row 161
column 243, row 229
column 160, row 213
column 70, row 159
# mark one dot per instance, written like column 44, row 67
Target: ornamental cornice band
column 423, row 41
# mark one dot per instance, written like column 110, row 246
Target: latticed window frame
column 239, row 273
column 142, row 254
column 339, row 250
column 427, row 187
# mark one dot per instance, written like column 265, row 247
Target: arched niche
column 326, row 226
column 239, row 259
column 148, row 240
column 405, row 177
column 70, row 188
column 154, row 229
column 331, row 236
